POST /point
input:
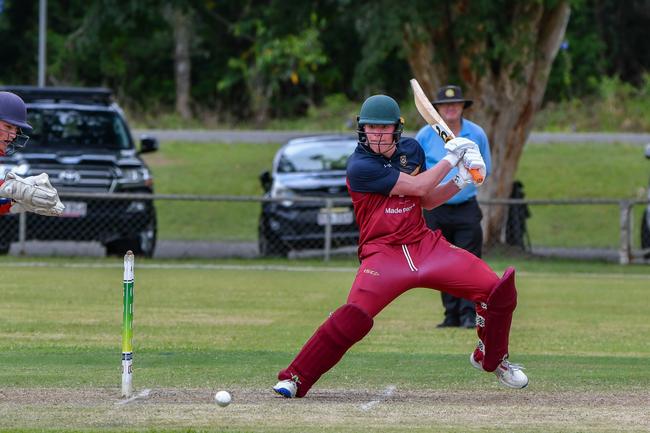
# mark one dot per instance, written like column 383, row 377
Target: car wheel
column 147, row 239
column 645, row 233
column 269, row 245
column 144, row 244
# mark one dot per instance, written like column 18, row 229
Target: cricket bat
column 433, row 118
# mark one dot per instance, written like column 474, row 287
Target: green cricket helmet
column 379, row 110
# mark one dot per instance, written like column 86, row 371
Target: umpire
column 459, row 219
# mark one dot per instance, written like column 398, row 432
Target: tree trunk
column 260, row 93
column 507, row 91
column 181, row 23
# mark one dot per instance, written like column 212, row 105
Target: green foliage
column 382, row 64
column 258, row 61
column 272, row 63
column 617, row 106
column 581, row 60
column 603, row 38
column 336, row 113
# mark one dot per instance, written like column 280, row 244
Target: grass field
column 581, row 330
column 209, row 169
column 557, row 171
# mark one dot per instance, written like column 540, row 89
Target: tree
column 276, row 55
column 500, row 51
column 180, row 21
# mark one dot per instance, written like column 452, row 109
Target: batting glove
column 472, row 159
column 463, row 177
column 457, row 147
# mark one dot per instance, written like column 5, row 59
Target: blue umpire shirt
column 434, row 148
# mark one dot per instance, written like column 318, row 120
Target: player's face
column 380, row 139
column 8, row 133
column 451, row 112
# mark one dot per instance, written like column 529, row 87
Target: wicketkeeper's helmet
column 379, row 110
column 14, row 112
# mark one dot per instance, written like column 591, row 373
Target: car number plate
column 74, row 209
column 337, row 216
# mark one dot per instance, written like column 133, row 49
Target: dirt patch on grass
column 329, row 410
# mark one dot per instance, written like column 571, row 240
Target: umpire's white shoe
column 286, row 388
column 508, row 374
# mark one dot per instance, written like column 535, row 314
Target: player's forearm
column 423, row 183
column 439, row 195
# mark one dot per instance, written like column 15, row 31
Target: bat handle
column 476, row 175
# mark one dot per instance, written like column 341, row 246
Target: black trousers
column 460, row 224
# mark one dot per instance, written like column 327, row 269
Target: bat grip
column 476, row 175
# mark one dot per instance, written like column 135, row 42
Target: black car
column 82, row 141
column 307, row 167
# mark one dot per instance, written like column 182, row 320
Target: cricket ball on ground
column 223, row 398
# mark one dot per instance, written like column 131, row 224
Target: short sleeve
column 371, row 175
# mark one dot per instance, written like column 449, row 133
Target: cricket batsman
column 17, row 194
column 389, row 186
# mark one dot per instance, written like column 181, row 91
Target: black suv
column 82, row 141
column 307, row 167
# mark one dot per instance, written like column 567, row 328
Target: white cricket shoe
column 286, row 388
column 508, row 374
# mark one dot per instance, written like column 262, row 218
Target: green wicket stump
column 127, row 326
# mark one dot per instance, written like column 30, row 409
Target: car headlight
column 139, row 175
column 20, row 169
column 278, row 190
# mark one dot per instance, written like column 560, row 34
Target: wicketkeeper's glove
column 32, row 194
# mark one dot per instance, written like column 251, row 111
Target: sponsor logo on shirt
column 398, row 210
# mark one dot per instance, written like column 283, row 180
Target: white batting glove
column 463, row 177
column 32, row 194
column 472, row 159
column 457, row 147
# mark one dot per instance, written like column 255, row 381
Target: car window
column 315, row 157
column 70, row 128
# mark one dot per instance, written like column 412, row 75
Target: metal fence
column 251, row 226
column 578, row 228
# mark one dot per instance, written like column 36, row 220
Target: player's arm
column 439, row 195
column 423, row 183
column 444, row 192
